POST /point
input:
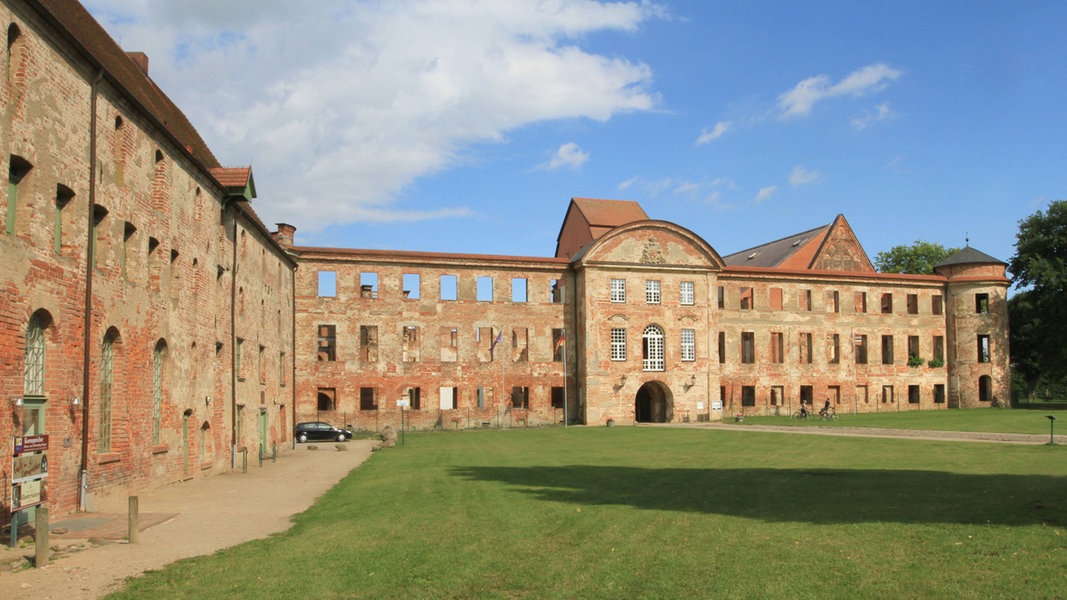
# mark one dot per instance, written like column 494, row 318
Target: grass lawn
column 636, row 512
column 984, row 420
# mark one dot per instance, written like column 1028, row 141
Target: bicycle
column 828, row 415
column 801, row 415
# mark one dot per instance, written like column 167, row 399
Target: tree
column 1038, row 314
column 919, row 258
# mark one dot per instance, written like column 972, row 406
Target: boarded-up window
column 776, row 298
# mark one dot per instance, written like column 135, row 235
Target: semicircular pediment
column 652, row 243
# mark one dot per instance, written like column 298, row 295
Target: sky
column 467, row 125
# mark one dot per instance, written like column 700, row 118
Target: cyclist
column 825, row 409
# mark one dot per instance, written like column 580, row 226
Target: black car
column 319, row 431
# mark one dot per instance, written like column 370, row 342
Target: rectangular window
column 18, row 168
column 414, row 399
column 939, row 348
column 618, row 290
column 939, row 393
column 484, row 290
column 327, row 343
column 981, row 303
column 983, row 348
column 327, row 284
column 63, row 197
column 448, row 287
column 775, row 298
column 913, row 304
column 913, row 394
column 520, row 344
column 860, row 300
column 687, row 293
column 807, row 395
column 556, row 292
column 834, row 393
column 936, row 305
column 128, row 229
column 887, row 303
column 689, row 344
column 777, row 395
column 261, row 364
column 409, row 343
column 862, row 395
column 652, row 292
column 833, row 355
column 411, row 283
column 282, row 366
column 745, row 300
column 833, row 301
column 368, row 343
column 721, row 297
column 559, row 344
column 777, row 348
column 482, row 393
column 748, row 347
column 520, row 397
column 367, row 400
column 722, row 347
column 805, row 348
column 748, row 395
column 558, row 397
column 618, row 344
column 887, row 394
column 518, row 289
column 368, row 285
column 860, row 342
column 913, row 349
column 326, row 399
column 447, row 396
column 887, row 349
column 804, row 300
column 448, row 338
column 239, row 359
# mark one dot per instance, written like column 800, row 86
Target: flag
column 561, row 340
column 499, row 338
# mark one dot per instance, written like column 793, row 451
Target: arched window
column 14, row 41
column 107, row 370
column 652, row 348
column 158, row 355
column 33, row 380
column 985, row 388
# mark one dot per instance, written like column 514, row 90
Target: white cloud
column 716, row 132
column 765, row 193
column 880, row 113
column 802, row 176
column 340, row 105
column 568, row 155
column 799, row 101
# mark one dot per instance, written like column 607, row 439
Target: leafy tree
column 919, row 258
column 1038, row 314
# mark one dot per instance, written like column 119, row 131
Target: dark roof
column 774, row 253
column 969, row 256
column 100, row 50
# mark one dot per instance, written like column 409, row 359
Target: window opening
column 652, row 349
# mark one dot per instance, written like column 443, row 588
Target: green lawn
column 985, row 420
column 642, row 512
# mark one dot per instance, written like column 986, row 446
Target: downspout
column 292, row 352
column 578, row 345
column 83, row 477
column 232, row 205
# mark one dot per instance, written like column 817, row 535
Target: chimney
column 141, row 60
column 285, row 234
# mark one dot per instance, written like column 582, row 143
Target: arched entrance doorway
column 653, row 404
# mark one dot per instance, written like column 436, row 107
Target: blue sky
column 466, row 126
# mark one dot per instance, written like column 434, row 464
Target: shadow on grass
column 831, row 496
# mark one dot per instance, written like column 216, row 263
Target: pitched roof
column 969, row 256
column 98, row 48
column 589, row 218
column 778, row 252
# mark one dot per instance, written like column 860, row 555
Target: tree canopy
column 918, row 257
column 1038, row 314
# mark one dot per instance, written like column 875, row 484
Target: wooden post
column 41, row 538
column 134, row 520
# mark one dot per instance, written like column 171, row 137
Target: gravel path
column 178, row 521
column 956, row 436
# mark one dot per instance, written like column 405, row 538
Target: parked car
column 319, row 431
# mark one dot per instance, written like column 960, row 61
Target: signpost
column 28, row 472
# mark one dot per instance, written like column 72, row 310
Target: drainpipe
column 83, row 476
column 232, row 205
column 292, row 353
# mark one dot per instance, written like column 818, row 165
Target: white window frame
column 618, row 290
column 652, row 349
column 652, row 291
column 689, row 344
column 687, row 293
column 618, row 344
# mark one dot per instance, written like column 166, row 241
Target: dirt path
column 177, row 521
column 915, row 434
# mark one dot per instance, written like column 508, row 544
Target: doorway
column 653, row 404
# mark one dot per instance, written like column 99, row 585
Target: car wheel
column 303, row 437
column 342, row 437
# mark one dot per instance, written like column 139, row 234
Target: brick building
column 145, row 311
column 655, row 325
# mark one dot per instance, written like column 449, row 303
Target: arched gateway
column 653, row 403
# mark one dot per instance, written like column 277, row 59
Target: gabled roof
column 589, row 218
column 236, row 180
column 774, row 254
column 969, row 256
column 98, row 48
column 832, row 247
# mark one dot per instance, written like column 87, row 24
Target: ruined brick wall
column 385, row 329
